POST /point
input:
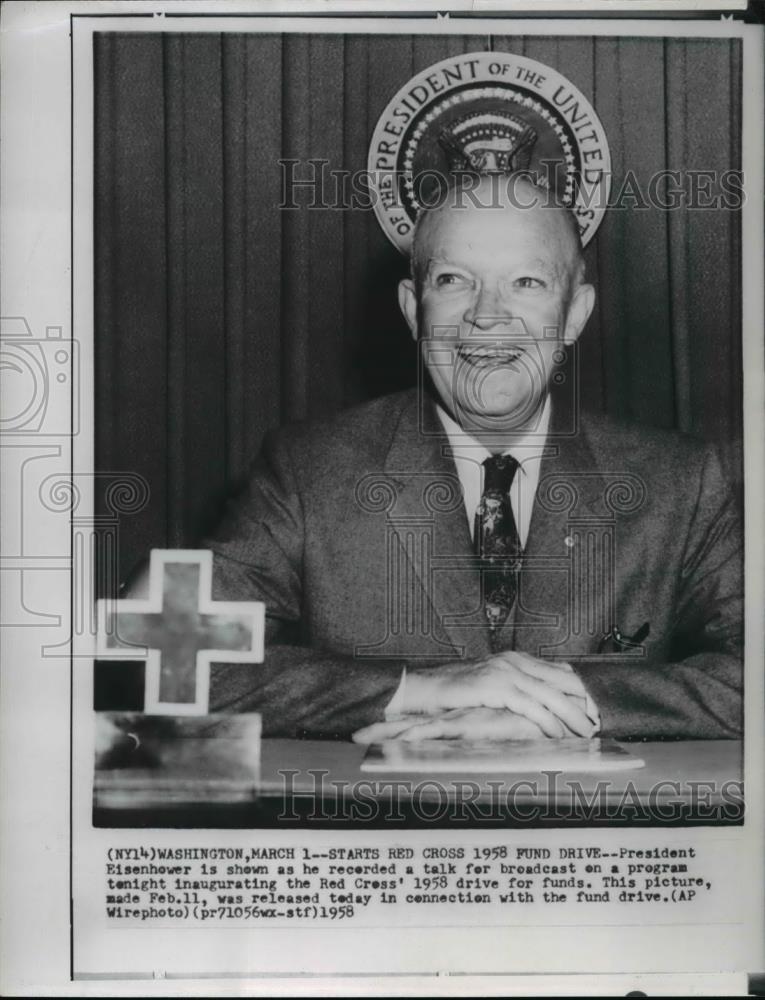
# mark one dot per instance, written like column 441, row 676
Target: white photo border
column 38, row 285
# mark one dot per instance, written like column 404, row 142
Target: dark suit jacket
column 354, row 534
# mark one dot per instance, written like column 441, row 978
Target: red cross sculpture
column 180, row 631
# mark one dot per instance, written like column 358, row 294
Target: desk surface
column 685, row 761
column 321, row 785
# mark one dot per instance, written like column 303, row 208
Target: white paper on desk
column 572, row 754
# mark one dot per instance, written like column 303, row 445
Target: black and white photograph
column 386, row 502
column 443, row 366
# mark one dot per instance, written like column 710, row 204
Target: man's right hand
column 548, row 694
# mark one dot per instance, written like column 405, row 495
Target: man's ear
column 579, row 309
column 407, row 300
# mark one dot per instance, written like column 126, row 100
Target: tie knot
column 499, row 473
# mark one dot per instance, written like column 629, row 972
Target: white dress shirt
column 469, row 456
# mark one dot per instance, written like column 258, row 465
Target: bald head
column 512, row 203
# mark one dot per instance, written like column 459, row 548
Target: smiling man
column 453, row 561
column 498, row 268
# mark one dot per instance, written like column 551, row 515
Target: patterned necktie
column 497, row 542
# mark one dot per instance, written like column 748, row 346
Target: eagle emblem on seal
column 488, row 142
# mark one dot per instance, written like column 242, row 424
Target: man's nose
column 488, row 309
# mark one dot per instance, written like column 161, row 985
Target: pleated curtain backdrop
column 219, row 315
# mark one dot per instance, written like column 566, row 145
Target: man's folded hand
column 457, row 724
column 549, row 695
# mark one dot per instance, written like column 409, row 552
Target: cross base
column 161, row 761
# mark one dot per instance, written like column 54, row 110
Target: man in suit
column 456, row 561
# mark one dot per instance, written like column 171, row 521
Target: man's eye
column 528, row 282
column 447, row 278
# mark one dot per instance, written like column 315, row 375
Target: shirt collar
column 530, row 446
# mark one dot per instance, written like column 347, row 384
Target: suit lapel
column 557, row 594
column 431, row 522
column 559, row 590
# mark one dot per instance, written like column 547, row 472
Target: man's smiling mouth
column 486, row 355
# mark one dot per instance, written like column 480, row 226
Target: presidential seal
column 487, row 112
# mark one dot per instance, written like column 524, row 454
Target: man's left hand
column 458, row 724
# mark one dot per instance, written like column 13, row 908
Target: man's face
column 499, row 296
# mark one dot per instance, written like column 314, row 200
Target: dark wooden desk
column 320, row 785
